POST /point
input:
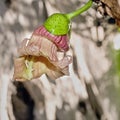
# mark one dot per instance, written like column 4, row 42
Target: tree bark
column 112, row 7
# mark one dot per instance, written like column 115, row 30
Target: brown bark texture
column 112, row 8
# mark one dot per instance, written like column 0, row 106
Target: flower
column 39, row 55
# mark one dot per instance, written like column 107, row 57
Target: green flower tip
column 58, row 24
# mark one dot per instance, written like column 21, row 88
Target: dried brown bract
column 39, row 55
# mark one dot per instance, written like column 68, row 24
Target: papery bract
column 38, row 55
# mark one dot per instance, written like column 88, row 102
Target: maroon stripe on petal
column 61, row 41
column 38, row 30
column 46, row 34
column 58, row 39
column 62, row 44
column 43, row 31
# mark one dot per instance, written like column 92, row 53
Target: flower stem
column 80, row 10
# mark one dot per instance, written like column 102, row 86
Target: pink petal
column 60, row 40
column 37, row 46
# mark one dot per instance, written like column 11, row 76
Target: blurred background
column 91, row 92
